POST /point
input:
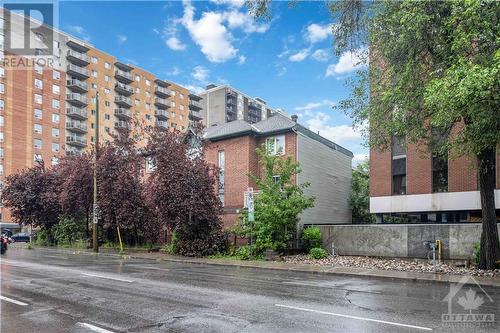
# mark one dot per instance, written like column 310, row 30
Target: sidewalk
column 307, row 268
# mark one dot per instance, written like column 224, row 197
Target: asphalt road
column 46, row 290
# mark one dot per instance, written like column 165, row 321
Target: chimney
column 295, row 117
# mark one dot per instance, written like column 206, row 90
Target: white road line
column 13, row 301
column 107, row 277
column 94, row 328
column 354, row 317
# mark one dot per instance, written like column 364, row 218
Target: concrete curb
column 346, row 271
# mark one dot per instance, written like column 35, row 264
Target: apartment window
column 94, row 86
column 173, row 92
column 276, row 145
column 107, row 91
column 55, row 118
column 37, row 128
column 56, row 104
column 172, row 114
column 54, row 160
column 56, row 89
column 1, row 152
column 2, row 105
column 37, row 144
column 56, row 75
column 107, row 104
column 148, row 94
column 181, row 96
column 137, row 90
column 92, row 112
column 1, row 136
column 106, row 78
column 2, row 72
column 398, row 153
column 1, row 169
column 439, row 172
column 148, row 106
column 55, row 147
column 137, row 78
column 181, row 117
column 173, row 103
column 38, row 99
column 37, row 158
column 222, row 162
column 148, row 117
column 92, row 125
column 38, row 84
column 107, row 129
column 181, row 107
column 148, row 83
column 107, row 65
column 94, row 73
column 2, row 121
column 107, row 116
column 94, row 60
column 137, row 102
column 38, row 69
column 55, row 132
column 38, row 113
column 2, row 88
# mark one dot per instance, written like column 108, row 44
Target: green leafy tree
column 278, row 204
column 434, row 68
column 359, row 199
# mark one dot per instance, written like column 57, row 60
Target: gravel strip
column 391, row 264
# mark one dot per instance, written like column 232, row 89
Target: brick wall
column 462, row 174
column 418, row 170
column 380, row 173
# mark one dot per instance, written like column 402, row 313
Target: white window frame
column 272, row 146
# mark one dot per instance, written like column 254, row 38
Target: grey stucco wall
column 214, row 107
column 329, row 172
column 401, row 240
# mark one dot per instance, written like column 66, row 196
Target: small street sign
column 95, row 213
column 250, row 205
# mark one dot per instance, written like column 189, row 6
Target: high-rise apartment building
column 48, row 101
column 222, row 104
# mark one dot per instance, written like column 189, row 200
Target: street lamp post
column 95, row 213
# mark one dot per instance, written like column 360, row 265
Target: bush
column 69, row 231
column 317, row 253
column 243, row 253
column 44, row 237
column 476, row 253
column 311, row 238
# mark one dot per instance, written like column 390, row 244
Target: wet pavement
column 48, row 290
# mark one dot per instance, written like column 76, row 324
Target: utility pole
column 95, row 214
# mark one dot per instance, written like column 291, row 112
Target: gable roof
column 275, row 124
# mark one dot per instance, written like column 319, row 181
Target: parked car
column 21, row 237
column 3, row 244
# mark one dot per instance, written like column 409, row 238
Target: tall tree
column 434, row 67
column 359, row 199
column 31, row 196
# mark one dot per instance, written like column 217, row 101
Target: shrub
column 243, row 253
column 317, row 253
column 68, row 231
column 476, row 253
column 311, row 238
column 44, row 237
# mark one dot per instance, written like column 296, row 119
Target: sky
column 288, row 60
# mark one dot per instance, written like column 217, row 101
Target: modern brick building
column 408, row 184
column 222, row 104
column 325, row 165
column 48, row 101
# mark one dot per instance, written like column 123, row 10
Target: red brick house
column 325, row 165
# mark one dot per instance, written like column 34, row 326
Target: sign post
column 251, row 217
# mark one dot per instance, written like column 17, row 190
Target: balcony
column 195, row 115
column 123, row 101
column 124, row 89
column 75, row 140
column 161, row 102
column 77, row 113
column 254, row 106
column 161, row 114
column 231, row 109
column 123, row 76
column 76, row 126
column 77, row 86
column 77, row 99
column 78, row 72
column 121, row 125
column 162, row 91
column 195, row 105
column 123, row 113
column 162, row 124
column 78, row 58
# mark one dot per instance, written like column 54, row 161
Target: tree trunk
column 490, row 246
column 87, row 233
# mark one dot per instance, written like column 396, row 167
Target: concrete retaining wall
column 386, row 240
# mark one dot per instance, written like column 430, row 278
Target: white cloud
column 358, row 158
column 194, row 88
column 347, row 62
column 315, row 105
column 175, row 44
column 209, row 33
column 200, row 73
column 317, row 33
column 299, row 56
column 121, row 39
column 320, row 55
column 174, row 71
column 241, row 59
column 338, row 134
column 231, row 3
column 80, row 31
column 236, row 19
